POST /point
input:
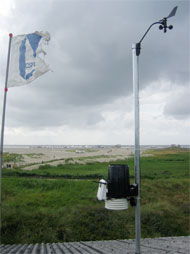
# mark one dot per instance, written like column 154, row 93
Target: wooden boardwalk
column 169, row 245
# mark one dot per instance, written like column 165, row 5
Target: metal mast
column 136, row 49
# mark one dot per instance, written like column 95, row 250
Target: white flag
column 25, row 61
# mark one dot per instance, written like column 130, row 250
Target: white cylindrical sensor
column 102, row 190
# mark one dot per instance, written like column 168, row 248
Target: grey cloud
column 90, row 54
column 178, row 107
column 100, row 37
column 40, row 112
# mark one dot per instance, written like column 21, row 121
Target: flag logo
column 25, row 67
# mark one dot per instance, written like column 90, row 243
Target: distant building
column 79, row 151
column 175, row 146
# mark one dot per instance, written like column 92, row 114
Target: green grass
column 34, row 155
column 77, row 171
column 56, row 210
column 160, row 166
column 12, row 157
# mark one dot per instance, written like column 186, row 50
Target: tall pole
column 3, row 125
column 135, row 56
column 136, row 49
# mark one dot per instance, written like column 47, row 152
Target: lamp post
column 136, row 49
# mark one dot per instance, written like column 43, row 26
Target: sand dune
column 54, row 156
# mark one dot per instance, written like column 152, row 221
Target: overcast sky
column 87, row 98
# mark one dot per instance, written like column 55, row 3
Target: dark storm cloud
column 97, row 37
column 90, row 54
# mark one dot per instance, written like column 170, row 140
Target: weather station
column 117, row 191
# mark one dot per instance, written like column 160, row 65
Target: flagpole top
column 10, row 35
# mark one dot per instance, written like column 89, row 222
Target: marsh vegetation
column 58, row 203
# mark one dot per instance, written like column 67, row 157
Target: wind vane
column 163, row 25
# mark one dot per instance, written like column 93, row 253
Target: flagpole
column 3, row 125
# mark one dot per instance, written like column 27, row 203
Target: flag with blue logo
column 26, row 63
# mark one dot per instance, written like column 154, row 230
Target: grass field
column 55, row 204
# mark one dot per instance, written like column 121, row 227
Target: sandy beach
column 33, row 157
